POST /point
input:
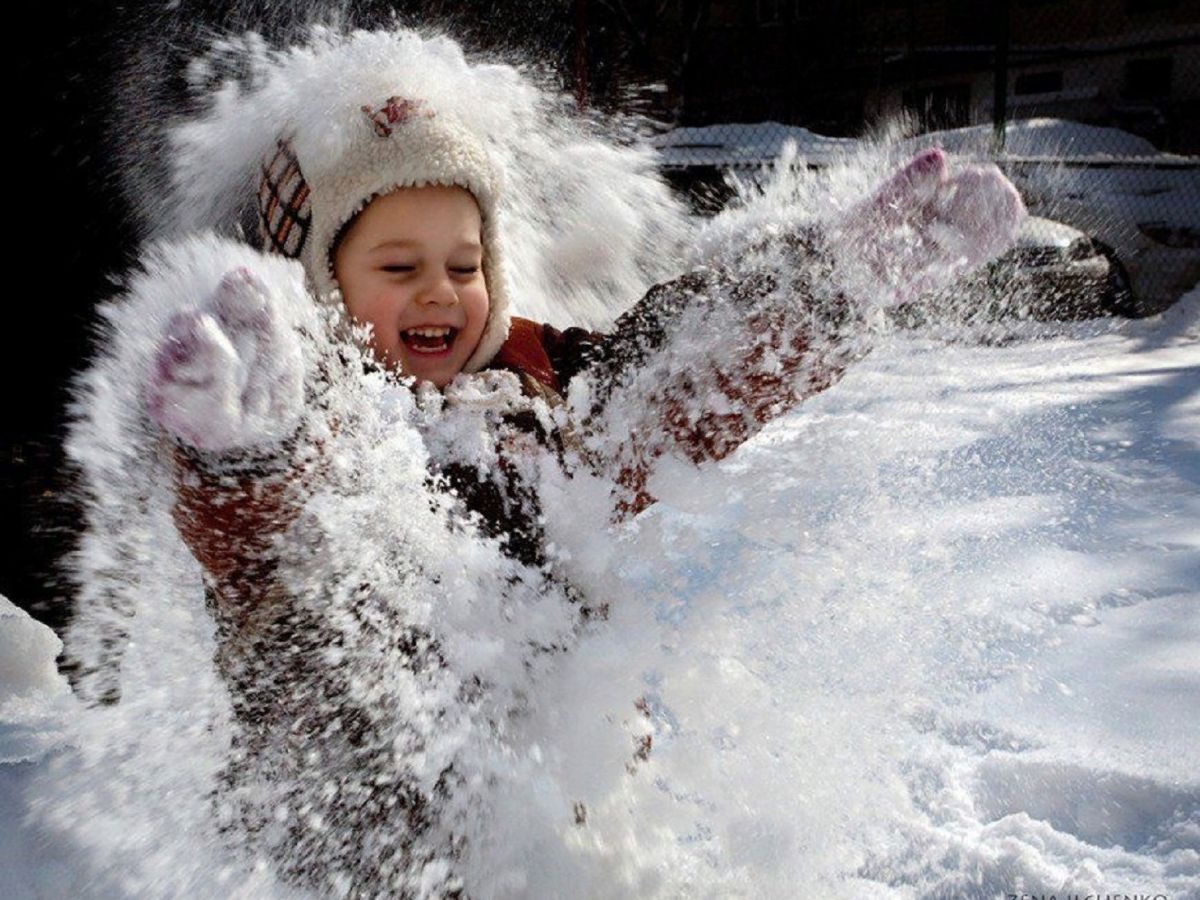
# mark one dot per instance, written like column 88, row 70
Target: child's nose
column 440, row 290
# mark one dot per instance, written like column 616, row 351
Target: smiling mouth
column 430, row 340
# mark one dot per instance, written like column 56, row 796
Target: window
column 1038, row 83
column 1148, row 79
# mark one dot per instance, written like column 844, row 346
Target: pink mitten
column 230, row 374
column 927, row 225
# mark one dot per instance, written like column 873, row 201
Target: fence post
column 1000, row 78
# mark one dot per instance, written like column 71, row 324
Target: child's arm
column 701, row 363
column 227, row 385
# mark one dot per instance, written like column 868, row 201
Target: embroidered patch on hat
column 396, row 111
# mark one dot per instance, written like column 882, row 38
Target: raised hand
column 229, row 374
column 927, row 225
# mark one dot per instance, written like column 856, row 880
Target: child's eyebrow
column 404, row 242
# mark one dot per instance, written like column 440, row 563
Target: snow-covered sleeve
column 173, row 373
column 230, row 510
column 701, row 363
column 229, row 381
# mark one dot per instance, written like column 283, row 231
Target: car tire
column 1118, row 298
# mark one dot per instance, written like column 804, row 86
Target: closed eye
column 398, row 268
column 465, row 270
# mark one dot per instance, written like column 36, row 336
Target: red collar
column 524, row 351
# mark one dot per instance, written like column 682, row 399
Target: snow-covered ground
column 934, row 634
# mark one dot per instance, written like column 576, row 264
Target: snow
column 27, row 652
column 1055, row 138
column 35, row 702
column 1131, row 194
column 743, row 143
column 934, row 633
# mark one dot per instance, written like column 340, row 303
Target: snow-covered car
column 1161, row 257
column 1052, row 272
column 1140, row 206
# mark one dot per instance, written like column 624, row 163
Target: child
column 400, row 235
column 395, row 227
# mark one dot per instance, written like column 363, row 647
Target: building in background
column 1131, row 64
column 839, row 66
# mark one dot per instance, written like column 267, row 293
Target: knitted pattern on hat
column 304, row 204
column 284, row 210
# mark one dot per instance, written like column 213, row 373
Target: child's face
column 411, row 266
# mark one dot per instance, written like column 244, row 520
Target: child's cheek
column 480, row 307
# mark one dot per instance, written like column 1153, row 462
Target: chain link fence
column 1092, row 107
column 1139, row 209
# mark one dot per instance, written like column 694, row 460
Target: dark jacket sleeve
column 702, row 362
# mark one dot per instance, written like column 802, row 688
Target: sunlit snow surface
column 933, row 634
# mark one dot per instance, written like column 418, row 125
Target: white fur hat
column 307, row 194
